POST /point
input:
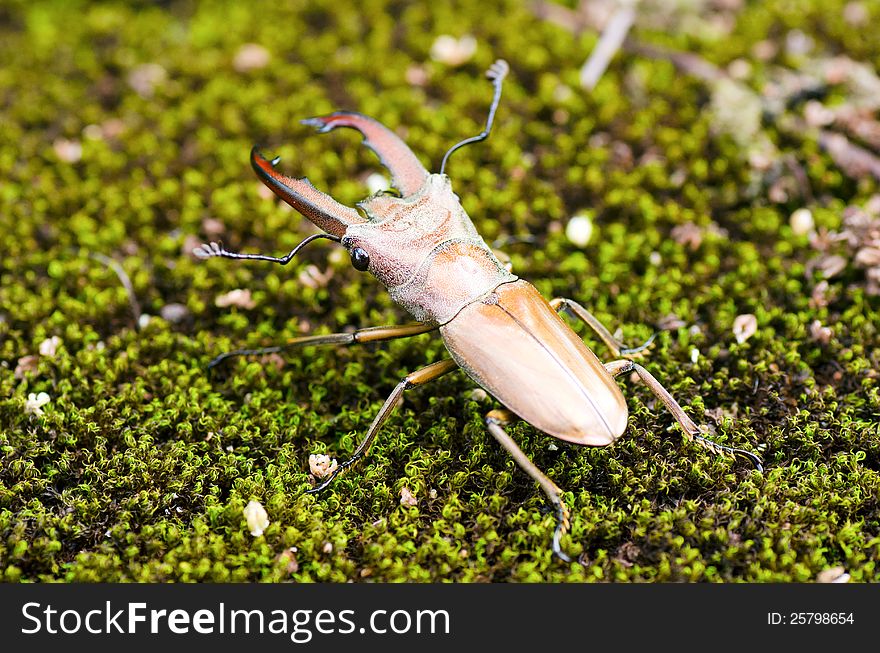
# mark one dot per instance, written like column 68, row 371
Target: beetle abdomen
column 516, row 346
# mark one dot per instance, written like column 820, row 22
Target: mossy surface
column 141, row 464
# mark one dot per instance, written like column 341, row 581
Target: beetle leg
column 407, row 172
column 370, row 334
column 417, row 378
column 691, row 430
column 494, row 421
column 616, row 346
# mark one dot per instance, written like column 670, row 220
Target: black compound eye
column 360, row 259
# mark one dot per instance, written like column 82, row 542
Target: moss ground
column 141, row 464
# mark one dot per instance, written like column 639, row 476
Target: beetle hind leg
column 617, row 347
column 369, row 334
column 691, row 430
column 494, row 422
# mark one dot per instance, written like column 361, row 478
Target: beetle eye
column 360, row 259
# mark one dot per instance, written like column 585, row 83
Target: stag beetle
column 497, row 327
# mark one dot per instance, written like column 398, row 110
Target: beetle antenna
column 497, row 72
column 212, row 249
column 124, row 280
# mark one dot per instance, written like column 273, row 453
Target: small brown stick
column 126, row 283
column 801, row 176
column 610, row 41
column 857, row 121
column 854, row 160
column 685, row 61
column 576, row 21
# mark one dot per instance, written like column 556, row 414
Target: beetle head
column 421, row 245
column 401, row 232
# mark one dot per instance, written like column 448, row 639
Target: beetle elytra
column 496, row 327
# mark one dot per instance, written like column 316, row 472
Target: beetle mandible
column 496, row 327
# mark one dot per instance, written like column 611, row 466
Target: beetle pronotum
column 424, row 248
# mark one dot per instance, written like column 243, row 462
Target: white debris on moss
column 251, row 56
column 579, row 229
column 820, row 333
column 35, row 402
column 49, row 347
column 407, row 498
column 802, row 222
column 313, row 277
column 453, row 51
column 744, row 327
column 835, row 574
column 240, row 297
column 144, row 79
column 321, row 465
column 69, row 151
column 257, row 518
column 26, row 365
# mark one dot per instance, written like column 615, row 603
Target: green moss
column 142, row 463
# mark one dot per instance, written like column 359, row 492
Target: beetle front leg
column 616, row 346
column 691, row 430
column 417, row 378
column 369, row 334
column 494, row 421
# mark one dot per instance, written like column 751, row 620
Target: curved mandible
column 320, row 208
column 408, row 174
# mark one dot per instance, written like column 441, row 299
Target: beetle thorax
column 426, row 251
